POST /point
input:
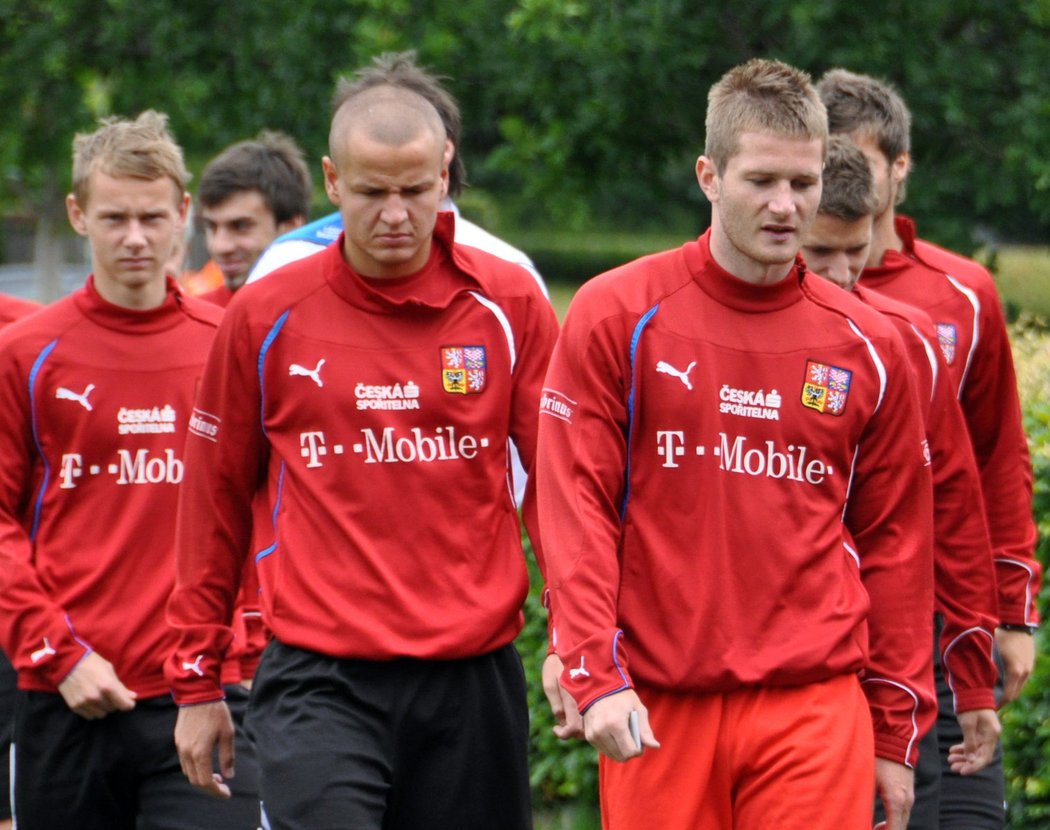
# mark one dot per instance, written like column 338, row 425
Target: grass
column 1023, row 276
column 568, row 817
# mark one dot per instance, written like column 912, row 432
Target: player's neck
column 137, row 297
column 884, row 238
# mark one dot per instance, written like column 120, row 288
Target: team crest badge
column 826, row 388
column 463, row 369
column 947, row 338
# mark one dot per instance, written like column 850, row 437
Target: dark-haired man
column 250, row 194
column 836, row 247
column 962, row 300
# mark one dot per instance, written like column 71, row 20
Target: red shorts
column 765, row 758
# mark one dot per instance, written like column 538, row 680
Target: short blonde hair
column 141, row 149
column 761, row 96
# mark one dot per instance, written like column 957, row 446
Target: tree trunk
column 48, row 256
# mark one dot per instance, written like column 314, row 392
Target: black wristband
column 1028, row 629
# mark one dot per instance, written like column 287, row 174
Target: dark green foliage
column 576, row 113
column 560, row 771
column 1026, row 722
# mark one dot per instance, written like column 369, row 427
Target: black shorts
column 966, row 802
column 397, row 745
column 8, row 687
column 120, row 772
column 945, row 800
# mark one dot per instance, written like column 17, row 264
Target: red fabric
column 962, row 300
column 97, row 402
column 762, row 542
column 964, row 574
column 793, row 758
column 14, row 308
column 392, row 528
column 220, row 296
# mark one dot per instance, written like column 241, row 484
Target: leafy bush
column 1026, row 722
column 559, row 771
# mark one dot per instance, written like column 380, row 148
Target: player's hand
column 568, row 723
column 980, row 729
column 605, row 725
column 895, row 785
column 198, row 730
column 1017, row 648
column 93, row 690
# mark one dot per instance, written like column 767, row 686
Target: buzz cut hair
column 861, row 104
column 400, row 69
column 388, row 114
column 849, row 188
column 761, row 96
column 140, row 148
column 272, row 164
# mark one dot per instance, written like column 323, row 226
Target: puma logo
column 579, row 672
column 315, row 373
column 668, row 369
column 64, row 394
column 41, row 653
column 195, row 666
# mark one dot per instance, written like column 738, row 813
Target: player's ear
column 707, row 177
column 900, row 167
column 331, row 180
column 76, row 215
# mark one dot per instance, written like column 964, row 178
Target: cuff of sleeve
column 1018, row 587
column 207, row 693
column 196, row 680
column 969, row 700
column 64, row 663
column 893, row 748
column 596, row 668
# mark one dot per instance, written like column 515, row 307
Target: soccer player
column 962, row 300
column 836, row 247
column 370, row 391
column 736, row 509
column 98, row 389
column 250, row 194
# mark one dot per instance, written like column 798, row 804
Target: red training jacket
column 733, row 489
column 97, row 403
column 377, row 427
column 964, row 574
column 962, row 300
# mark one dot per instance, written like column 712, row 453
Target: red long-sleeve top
column 97, row 399
column 733, row 489
column 376, row 419
column 964, row 574
column 962, row 300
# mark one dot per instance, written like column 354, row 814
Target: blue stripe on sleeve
column 270, row 337
column 36, row 434
column 635, row 338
